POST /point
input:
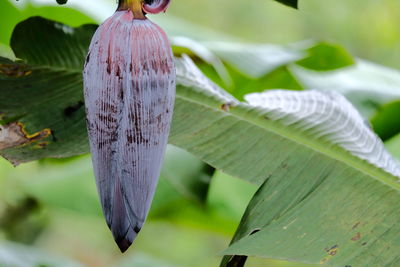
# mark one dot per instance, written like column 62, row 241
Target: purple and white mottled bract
column 129, row 88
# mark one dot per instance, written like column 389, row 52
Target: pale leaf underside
column 328, row 116
column 188, row 75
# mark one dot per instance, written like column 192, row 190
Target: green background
column 64, row 220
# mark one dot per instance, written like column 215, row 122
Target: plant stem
column 133, row 5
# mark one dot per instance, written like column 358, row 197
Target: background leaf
column 11, row 15
column 386, row 122
column 326, row 57
column 367, row 85
column 292, row 3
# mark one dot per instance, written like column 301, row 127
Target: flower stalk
column 135, row 6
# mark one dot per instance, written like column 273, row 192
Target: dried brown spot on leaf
column 41, row 145
column 14, row 134
column 227, row 106
column 356, row 237
column 332, row 251
column 13, row 70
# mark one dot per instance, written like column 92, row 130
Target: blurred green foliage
column 368, row 29
column 53, row 204
column 387, row 122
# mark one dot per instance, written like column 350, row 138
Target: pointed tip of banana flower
column 126, row 240
column 123, row 244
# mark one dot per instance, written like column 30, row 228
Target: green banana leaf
column 11, row 15
column 319, row 202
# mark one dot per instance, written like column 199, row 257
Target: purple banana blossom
column 129, row 87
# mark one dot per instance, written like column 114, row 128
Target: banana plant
column 328, row 189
